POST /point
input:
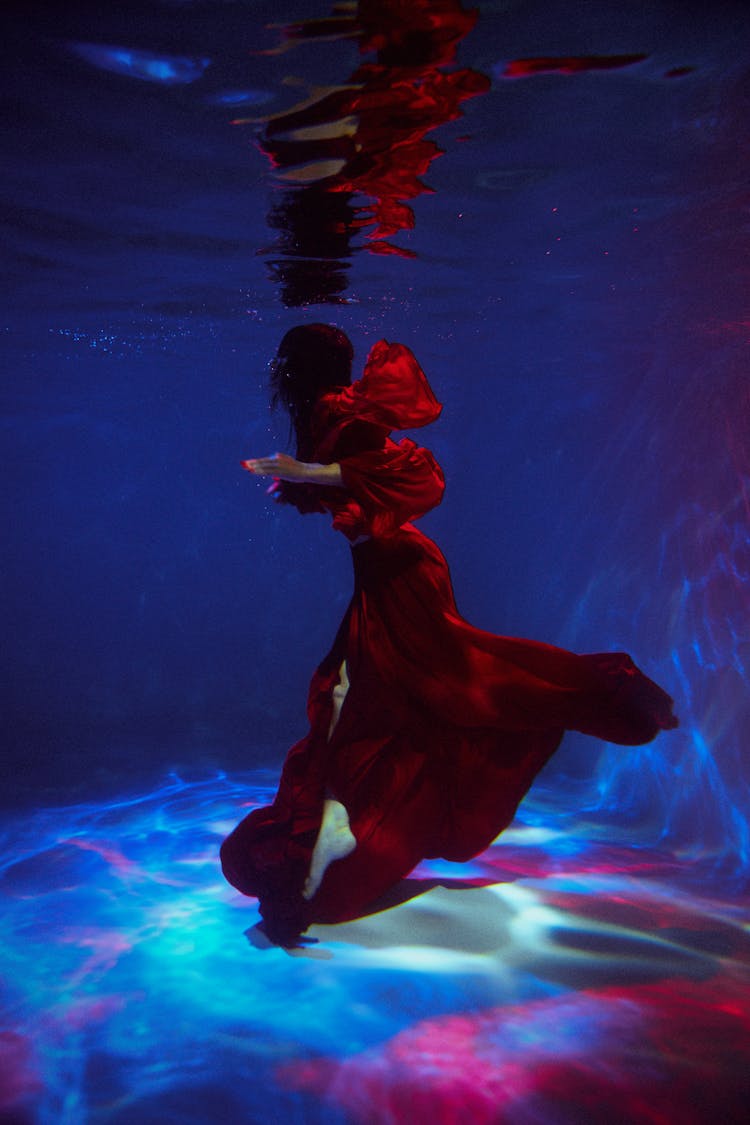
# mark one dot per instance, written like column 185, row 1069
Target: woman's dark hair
column 311, row 359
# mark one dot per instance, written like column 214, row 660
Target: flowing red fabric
column 444, row 726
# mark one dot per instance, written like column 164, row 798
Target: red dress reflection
column 444, row 726
column 352, row 155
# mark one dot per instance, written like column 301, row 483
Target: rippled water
column 550, row 208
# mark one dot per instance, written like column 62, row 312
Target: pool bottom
column 561, row 977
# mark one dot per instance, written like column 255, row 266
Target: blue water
column 575, row 285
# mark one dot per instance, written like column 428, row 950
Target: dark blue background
column 578, row 301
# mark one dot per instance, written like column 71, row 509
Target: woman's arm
column 284, row 467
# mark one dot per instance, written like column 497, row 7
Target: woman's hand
column 283, row 467
column 279, row 465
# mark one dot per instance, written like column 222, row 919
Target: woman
column 425, row 733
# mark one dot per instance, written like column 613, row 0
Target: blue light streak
column 168, row 70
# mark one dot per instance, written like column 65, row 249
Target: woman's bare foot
column 335, row 840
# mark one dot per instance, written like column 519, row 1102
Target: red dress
column 444, row 726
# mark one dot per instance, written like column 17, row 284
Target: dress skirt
column 441, row 733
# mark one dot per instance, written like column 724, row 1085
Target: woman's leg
column 335, row 839
column 339, row 695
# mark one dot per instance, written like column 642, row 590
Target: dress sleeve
column 393, row 392
column 388, row 488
